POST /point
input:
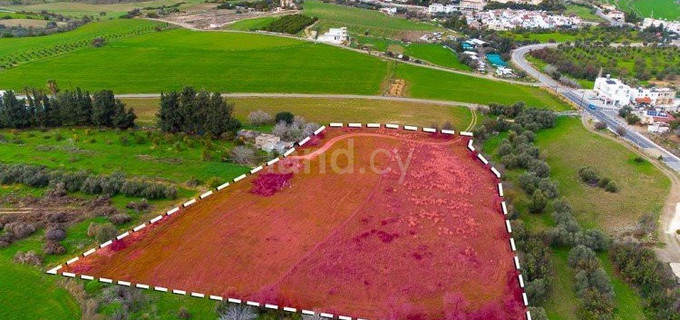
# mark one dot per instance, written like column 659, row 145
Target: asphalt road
column 578, row 98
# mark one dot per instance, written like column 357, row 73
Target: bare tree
column 242, row 155
column 239, row 312
column 259, row 117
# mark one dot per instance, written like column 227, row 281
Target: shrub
column 259, row 118
column 540, row 167
column 284, row 116
column 120, row 218
column 588, row 175
column 183, row 313
column 242, row 155
column 213, row 182
column 538, row 202
column 102, row 232
column 549, row 188
column 55, row 234
column 611, row 187
column 19, row 230
column 53, row 248
column 600, row 126
column 528, row 182
column 142, row 205
column 29, row 258
column 603, row 182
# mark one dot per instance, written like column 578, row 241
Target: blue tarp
column 496, row 60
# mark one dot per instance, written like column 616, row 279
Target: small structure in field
column 267, row 142
column 335, row 36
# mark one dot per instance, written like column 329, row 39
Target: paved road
column 317, row 96
column 578, row 97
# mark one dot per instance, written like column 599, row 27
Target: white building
column 673, row 26
column 532, row 2
column 612, row 91
column 663, row 98
column 616, row 93
column 464, row 5
column 616, row 15
column 508, row 19
column 389, row 10
column 335, row 36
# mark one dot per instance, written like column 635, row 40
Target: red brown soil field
column 428, row 244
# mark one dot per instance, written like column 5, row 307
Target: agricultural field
column 362, row 21
column 583, row 12
column 251, row 24
column 238, row 62
column 659, row 9
column 430, row 52
column 17, row 51
column 82, row 8
column 323, row 110
column 452, row 86
column 372, row 213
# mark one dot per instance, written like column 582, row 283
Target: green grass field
column 643, row 188
column 29, row 49
column 583, row 12
column 236, row 62
column 430, row 52
column 105, row 152
column 325, row 111
column 81, row 8
column 570, row 146
column 359, row 21
column 435, row 84
column 251, row 24
column 664, row 9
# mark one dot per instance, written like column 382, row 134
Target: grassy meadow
column 251, row 24
column 333, row 110
column 663, row 9
column 360, row 21
column 83, row 8
column 568, row 147
column 430, row 52
column 237, row 62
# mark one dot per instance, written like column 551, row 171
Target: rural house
column 266, row 142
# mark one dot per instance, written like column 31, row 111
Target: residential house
column 612, row 91
column 335, row 36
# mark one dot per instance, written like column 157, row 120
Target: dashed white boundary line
column 497, row 174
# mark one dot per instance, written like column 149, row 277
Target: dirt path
column 669, row 221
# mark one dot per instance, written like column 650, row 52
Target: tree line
column 196, row 112
column 291, row 24
column 65, row 108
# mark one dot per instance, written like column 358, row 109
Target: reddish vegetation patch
column 118, row 245
column 266, row 184
column 425, row 243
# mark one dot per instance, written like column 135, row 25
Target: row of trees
column 66, row 108
column 291, row 24
column 196, row 112
column 83, row 181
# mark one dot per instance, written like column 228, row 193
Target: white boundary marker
column 335, row 124
column 505, row 208
column 354, row 125
column 273, row 161
column 291, row 150
column 255, row 170
column 54, row 271
column 302, row 142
